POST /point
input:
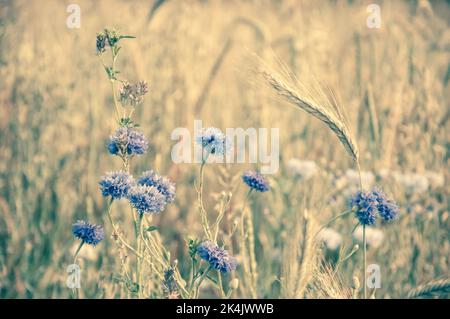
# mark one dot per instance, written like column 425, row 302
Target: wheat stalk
column 317, row 103
column 437, row 287
column 300, row 255
column 327, row 284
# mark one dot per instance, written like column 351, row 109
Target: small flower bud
column 234, row 284
column 356, row 284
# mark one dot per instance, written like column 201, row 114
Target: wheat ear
column 318, row 105
column 438, row 287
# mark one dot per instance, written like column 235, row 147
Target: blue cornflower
column 163, row 184
column 217, row 257
column 366, row 207
column 256, row 181
column 368, row 204
column 213, row 141
column 127, row 142
column 387, row 208
column 116, row 184
column 146, row 199
column 88, row 233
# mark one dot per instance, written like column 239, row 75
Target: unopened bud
column 356, row 283
column 234, row 284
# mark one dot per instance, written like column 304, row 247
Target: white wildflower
column 302, row 168
column 331, row 238
column 412, row 182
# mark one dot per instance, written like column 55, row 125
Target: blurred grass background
column 57, row 112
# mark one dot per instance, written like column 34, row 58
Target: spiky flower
column 89, row 233
column 368, row 204
column 216, row 256
column 127, row 142
column 146, row 199
column 169, row 285
column 387, row 208
column 106, row 37
column 213, row 141
column 133, row 94
column 162, row 183
column 365, row 204
column 112, row 36
column 116, row 184
column 100, row 42
column 256, row 181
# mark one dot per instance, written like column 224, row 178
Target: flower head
column 366, row 207
column 127, row 142
column 169, row 284
column 133, row 94
column 88, row 233
column 146, row 199
column 100, row 42
column 112, row 36
column 387, row 208
column 106, row 37
column 217, row 257
column 256, row 181
column 163, row 184
column 116, row 184
column 213, row 141
column 369, row 204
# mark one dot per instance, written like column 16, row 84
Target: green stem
column 78, row 251
column 203, row 212
column 139, row 249
column 75, row 290
column 342, row 260
column 365, row 261
column 223, row 207
column 244, row 205
column 200, row 280
column 112, row 84
column 220, row 284
column 360, row 178
column 192, row 276
column 328, row 223
column 116, row 231
column 113, row 89
column 364, row 238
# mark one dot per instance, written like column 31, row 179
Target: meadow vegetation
column 380, row 117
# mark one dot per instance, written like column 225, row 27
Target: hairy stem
column 200, row 280
column 365, row 261
column 75, row 290
column 328, row 223
column 203, row 213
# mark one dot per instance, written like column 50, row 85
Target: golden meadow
column 203, row 60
